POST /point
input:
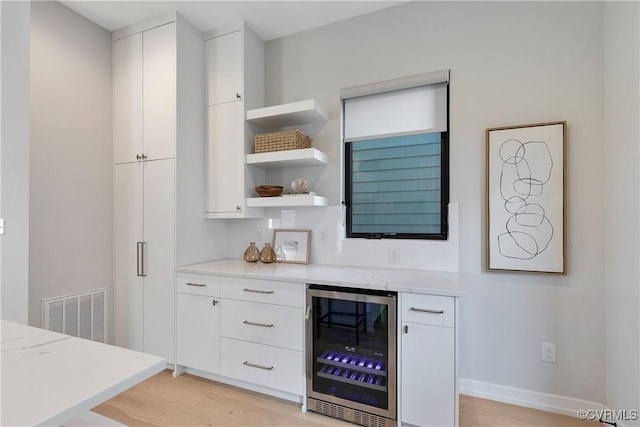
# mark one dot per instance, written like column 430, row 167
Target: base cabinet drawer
column 266, row 291
column 428, row 309
column 264, row 365
column 198, row 284
column 274, row 325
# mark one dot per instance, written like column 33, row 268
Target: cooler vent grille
column 348, row 414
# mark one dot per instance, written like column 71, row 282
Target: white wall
column 14, row 178
column 622, row 231
column 71, row 156
column 511, row 63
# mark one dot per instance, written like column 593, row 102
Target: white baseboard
column 530, row 399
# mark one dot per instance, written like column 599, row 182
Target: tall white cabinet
column 235, row 84
column 158, row 74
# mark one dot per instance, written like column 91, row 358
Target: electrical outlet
column 323, row 236
column 259, row 235
column 394, row 255
column 548, row 352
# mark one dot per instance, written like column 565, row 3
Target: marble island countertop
column 50, row 378
column 398, row 280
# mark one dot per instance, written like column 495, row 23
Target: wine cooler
column 351, row 355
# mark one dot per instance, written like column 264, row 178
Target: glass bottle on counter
column 267, row 254
column 252, row 254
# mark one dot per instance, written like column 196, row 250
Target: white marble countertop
column 399, row 280
column 49, row 378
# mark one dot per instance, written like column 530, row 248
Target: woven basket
column 280, row 141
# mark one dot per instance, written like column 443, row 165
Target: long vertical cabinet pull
column 144, row 259
column 141, row 259
column 139, row 249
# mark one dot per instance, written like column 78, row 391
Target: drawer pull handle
column 253, row 365
column 195, row 284
column 257, row 291
column 264, row 325
column 426, row 310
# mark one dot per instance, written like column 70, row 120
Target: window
column 396, row 158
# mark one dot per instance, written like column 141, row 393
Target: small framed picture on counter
column 292, row 246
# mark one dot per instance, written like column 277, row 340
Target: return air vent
column 80, row 315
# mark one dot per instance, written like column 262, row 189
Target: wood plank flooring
column 191, row 401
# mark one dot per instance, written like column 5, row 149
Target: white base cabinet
column 198, row 322
column 428, row 395
column 253, row 337
column 254, row 332
column 198, row 332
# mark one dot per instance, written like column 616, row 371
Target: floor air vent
column 80, row 315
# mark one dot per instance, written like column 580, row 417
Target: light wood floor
column 191, row 401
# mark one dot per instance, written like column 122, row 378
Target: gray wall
column 622, row 190
column 71, row 220
column 14, row 165
column 511, row 63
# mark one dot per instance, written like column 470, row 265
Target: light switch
column 1, row 226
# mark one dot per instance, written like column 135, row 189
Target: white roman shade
column 416, row 104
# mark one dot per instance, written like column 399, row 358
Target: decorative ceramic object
column 267, row 254
column 252, row 254
column 299, row 185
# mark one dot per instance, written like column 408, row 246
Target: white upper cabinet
column 127, row 98
column 144, row 95
column 235, row 82
column 224, row 68
column 224, row 159
column 159, row 88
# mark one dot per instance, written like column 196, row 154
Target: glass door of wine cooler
column 351, row 349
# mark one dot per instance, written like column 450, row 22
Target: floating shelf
column 286, row 115
column 295, row 200
column 288, row 158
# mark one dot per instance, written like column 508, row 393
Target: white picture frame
column 526, row 198
column 292, row 246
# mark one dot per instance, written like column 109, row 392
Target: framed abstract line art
column 292, row 246
column 525, row 198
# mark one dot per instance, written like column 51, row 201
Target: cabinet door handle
column 264, row 325
column 195, row 284
column 141, row 259
column 238, row 208
column 138, row 157
column 144, row 259
column 253, row 365
column 214, row 302
column 257, row 291
column 238, row 95
column 406, row 329
column 426, row 310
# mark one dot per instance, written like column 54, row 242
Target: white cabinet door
column 159, row 235
column 224, row 68
column 159, row 84
column 428, row 357
column 127, row 99
column 128, row 232
column 225, row 158
column 198, row 336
